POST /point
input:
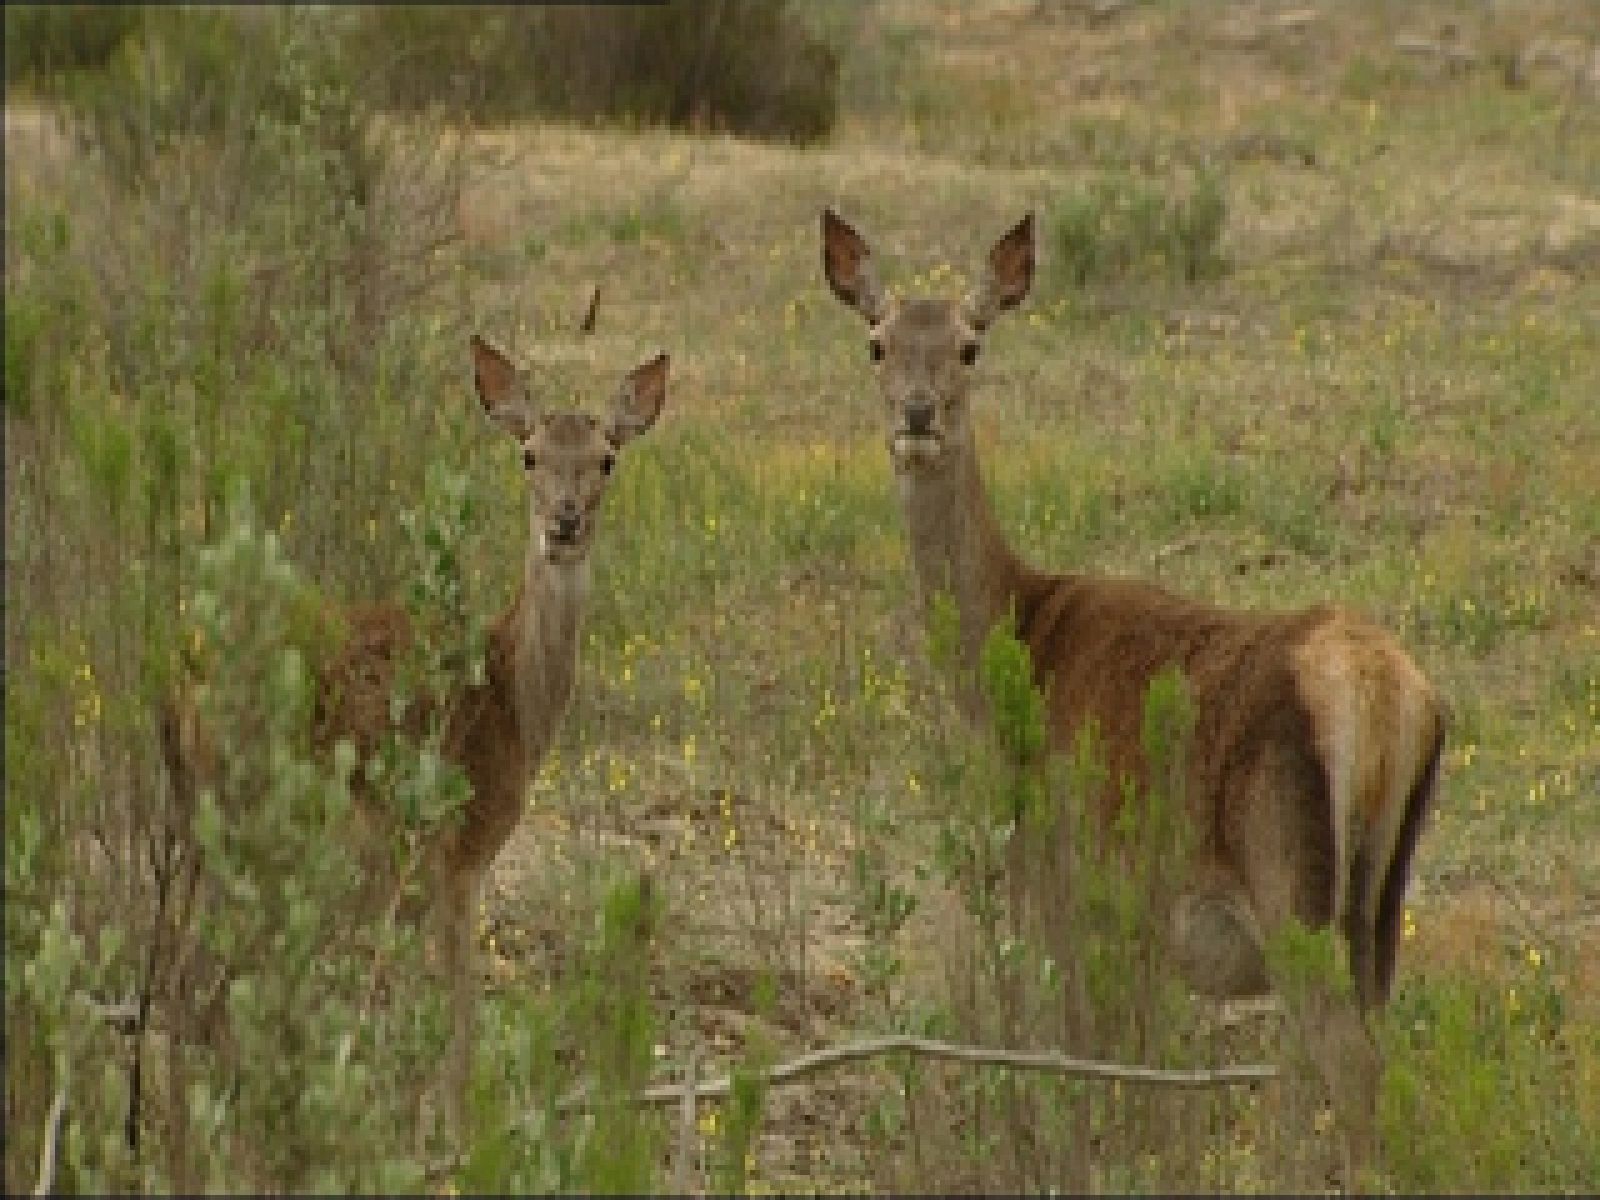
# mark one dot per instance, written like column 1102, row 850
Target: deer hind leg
column 1345, row 1055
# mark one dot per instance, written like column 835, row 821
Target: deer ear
column 1006, row 279
column 847, row 261
column 639, row 400
column 501, row 389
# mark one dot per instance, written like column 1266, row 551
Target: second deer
column 1317, row 739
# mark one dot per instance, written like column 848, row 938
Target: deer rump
column 1312, row 764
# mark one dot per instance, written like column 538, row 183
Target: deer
column 1315, row 752
column 498, row 731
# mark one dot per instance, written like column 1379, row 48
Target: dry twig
column 52, row 1139
column 1058, row 1064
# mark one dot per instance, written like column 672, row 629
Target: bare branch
column 52, row 1139
column 850, row 1052
column 686, row 1126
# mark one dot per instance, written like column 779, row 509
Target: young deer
column 500, row 730
column 1317, row 740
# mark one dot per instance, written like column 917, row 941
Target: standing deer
column 1317, row 740
column 497, row 731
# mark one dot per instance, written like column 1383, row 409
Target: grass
column 1397, row 414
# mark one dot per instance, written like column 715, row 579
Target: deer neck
column 542, row 628
column 958, row 549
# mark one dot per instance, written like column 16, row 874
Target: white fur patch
column 1331, row 686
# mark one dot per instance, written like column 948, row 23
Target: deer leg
column 458, row 890
column 1216, row 939
column 1345, row 1055
column 1219, row 947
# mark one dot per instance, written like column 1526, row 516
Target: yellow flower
column 1408, row 927
column 1535, row 959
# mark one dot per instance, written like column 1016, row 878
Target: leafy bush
column 44, row 39
column 239, row 299
column 1122, row 226
column 1062, row 948
column 747, row 67
column 761, row 69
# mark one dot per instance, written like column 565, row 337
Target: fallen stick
column 1057, row 1064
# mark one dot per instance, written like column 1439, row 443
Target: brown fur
column 480, row 736
column 1317, row 740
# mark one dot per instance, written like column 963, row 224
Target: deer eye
column 875, row 348
column 528, row 460
column 969, row 353
column 607, row 463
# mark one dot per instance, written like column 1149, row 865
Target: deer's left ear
column 1007, row 278
column 639, row 400
column 501, row 389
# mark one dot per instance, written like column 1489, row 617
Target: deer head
column 924, row 349
column 568, row 455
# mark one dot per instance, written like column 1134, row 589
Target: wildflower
column 1408, row 927
column 1535, row 959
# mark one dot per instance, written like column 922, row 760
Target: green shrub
column 43, row 40
column 1063, row 947
column 1490, row 1087
column 1121, row 226
column 746, row 67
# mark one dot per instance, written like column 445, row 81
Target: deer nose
column 567, row 525
column 919, row 417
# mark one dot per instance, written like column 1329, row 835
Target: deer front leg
column 457, row 905
column 1216, row 940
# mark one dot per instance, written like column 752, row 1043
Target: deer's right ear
column 847, row 261
column 500, row 389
